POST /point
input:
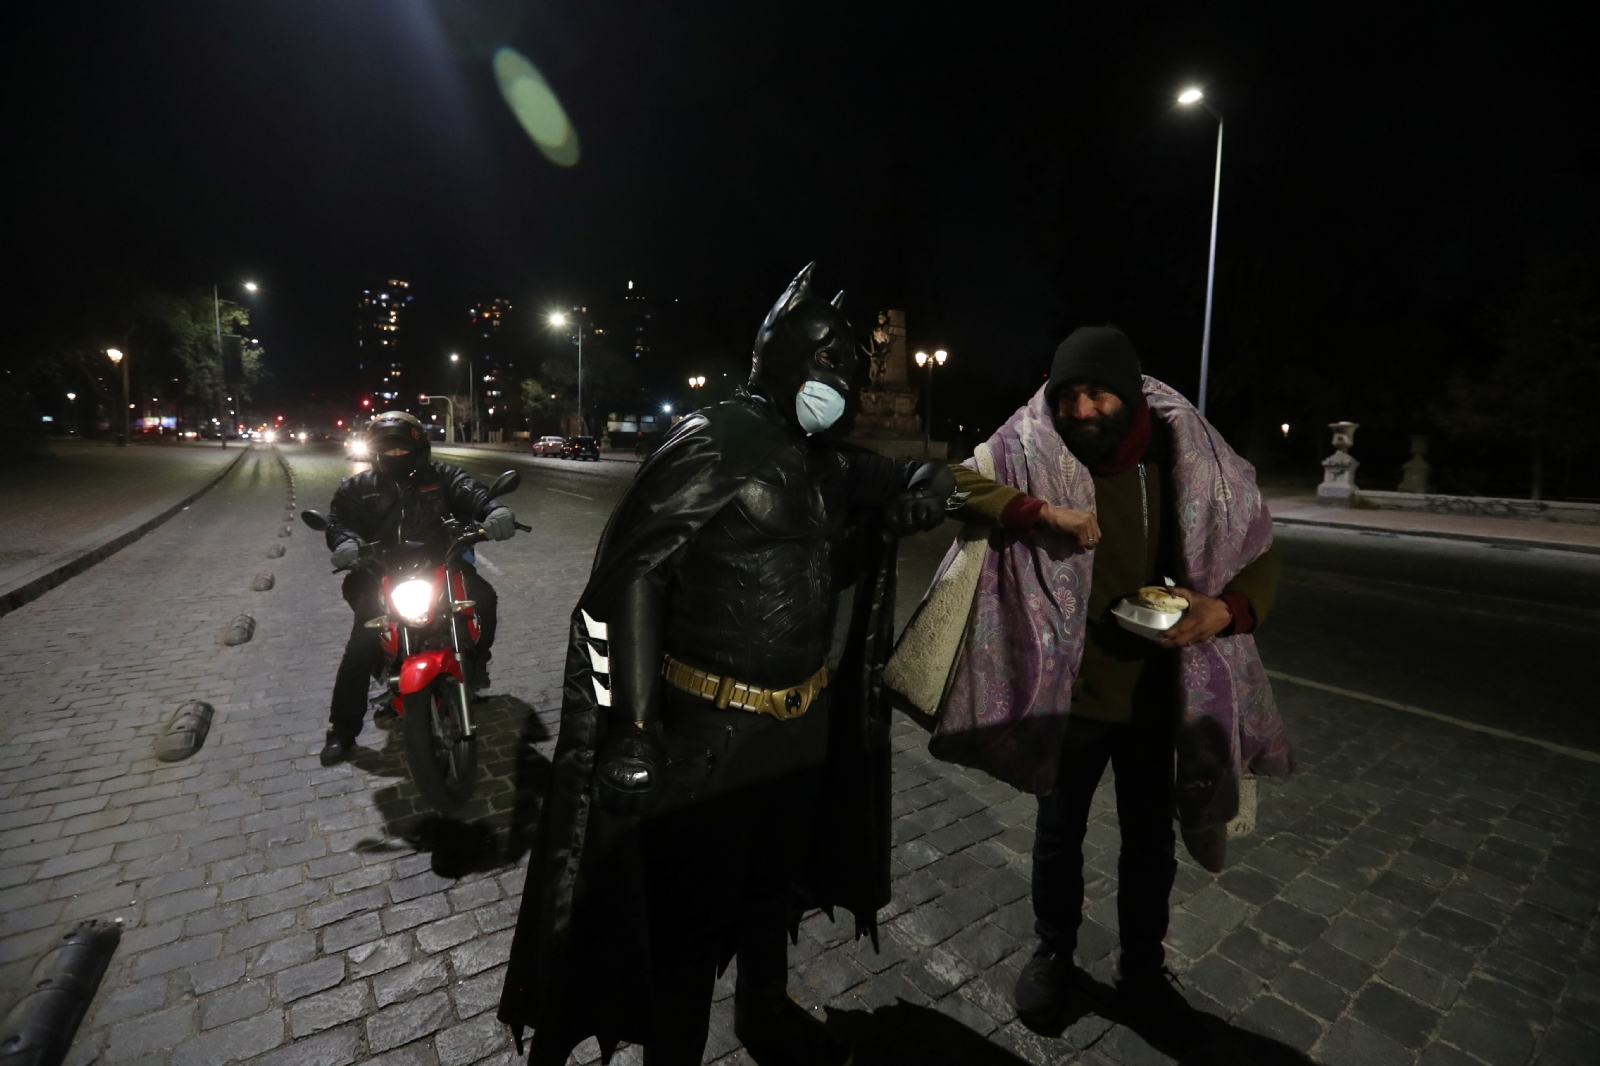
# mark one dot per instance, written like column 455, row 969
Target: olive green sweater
column 1120, row 667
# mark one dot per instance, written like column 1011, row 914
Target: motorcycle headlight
column 412, row 600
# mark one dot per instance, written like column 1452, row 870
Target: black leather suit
column 749, row 593
column 377, row 508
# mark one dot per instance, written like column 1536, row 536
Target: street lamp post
column 222, row 363
column 924, row 359
column 559, row 319
column 118, row 359
column 1187, row 98
column 72, row 398
column 472, row 398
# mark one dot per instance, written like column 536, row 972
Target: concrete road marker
column 187, row 733
column 39, row 1028
column 240, row 631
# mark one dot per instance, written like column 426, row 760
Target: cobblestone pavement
column 1416, row 893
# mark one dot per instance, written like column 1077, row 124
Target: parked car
column 581, row 448
column 549, row 446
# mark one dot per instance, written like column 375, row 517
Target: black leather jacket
column 377, row 508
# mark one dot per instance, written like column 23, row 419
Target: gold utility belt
column 782, row 703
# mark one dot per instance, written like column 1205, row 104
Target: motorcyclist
column 405, row 495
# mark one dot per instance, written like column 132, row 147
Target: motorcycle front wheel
column 444, row 760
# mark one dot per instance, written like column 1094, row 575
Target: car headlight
column 412, row 600
column 358, row 447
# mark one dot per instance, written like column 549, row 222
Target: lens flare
column 534, row 103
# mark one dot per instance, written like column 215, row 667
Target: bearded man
column 1105, row 482
column 710, row 766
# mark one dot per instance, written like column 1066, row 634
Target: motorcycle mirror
column 505, row 483
column 315, row 520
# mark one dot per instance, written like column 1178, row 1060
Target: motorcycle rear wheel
column 444, row 761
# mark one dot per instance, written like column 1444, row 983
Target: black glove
column 627, row 768
column 922, row 506
column 632, row 758
column 347, row 554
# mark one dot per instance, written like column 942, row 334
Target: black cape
column 580, row 959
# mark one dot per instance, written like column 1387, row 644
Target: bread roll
column 1159, row 599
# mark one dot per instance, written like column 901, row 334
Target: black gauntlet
column 631, row 758
column 922, row 506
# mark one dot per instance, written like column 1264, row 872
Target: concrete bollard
column 240, row 630
column 187, row 732
column 263, row 582
column 39, row 1028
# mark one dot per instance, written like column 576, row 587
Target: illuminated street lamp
column 697, row 382
column 930, row 361
column 472, row 397
column 1188, row 98
column 117, row 359
column 559, row 319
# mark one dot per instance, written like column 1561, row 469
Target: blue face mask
column 818, row 406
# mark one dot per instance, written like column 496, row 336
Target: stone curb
column 28, row 591
column 1440, row 534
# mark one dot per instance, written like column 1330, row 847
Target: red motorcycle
column 429, row 631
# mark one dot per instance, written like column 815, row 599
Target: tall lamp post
column 222, row 365
column 559, row 319
column 1188, row 98
column 930, row 361
column 72, row 398
column 118, row 359
column 472, row 398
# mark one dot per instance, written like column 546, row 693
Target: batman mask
column 805, row 357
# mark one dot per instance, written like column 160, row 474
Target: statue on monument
column 888, row 421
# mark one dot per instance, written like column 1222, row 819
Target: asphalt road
column 1482, row 633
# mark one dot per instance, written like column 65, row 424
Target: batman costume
column 711, row 779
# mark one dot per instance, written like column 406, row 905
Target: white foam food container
column 1142, row 620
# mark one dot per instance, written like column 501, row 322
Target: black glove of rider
column 922, row 506
column 632, row 758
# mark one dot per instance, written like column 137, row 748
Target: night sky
column 1004, row 172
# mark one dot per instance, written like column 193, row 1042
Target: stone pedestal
column 888, row 422
column 1339, row 469
column 1415, row 476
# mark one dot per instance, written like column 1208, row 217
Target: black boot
column 774, row 1029
column 337, row 749
column 1052, row 982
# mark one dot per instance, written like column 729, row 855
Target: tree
column 1541, row 386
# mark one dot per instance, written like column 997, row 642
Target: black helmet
column 804, row 339
column 397, row 429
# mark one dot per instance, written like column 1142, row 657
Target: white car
column 549, row 446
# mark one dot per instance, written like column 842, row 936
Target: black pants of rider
column 363, row 652
column 1140, row 752
column 721, row 855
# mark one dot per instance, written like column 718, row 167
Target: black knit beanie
column 1100, row 355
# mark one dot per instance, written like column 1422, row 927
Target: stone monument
column 888, row 422
column 1415, row 476
column 1339, row 469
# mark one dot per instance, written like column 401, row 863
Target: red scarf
column 1130, row 451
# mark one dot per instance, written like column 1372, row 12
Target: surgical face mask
column 818, row 406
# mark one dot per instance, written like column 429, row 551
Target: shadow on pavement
column 512, row 775
column 1218, row 1043
column 906, row 1033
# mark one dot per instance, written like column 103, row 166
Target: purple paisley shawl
column 1006, row 710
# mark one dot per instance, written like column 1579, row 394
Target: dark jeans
column 363, row 652
column 1141, row 756
column 741, row 792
